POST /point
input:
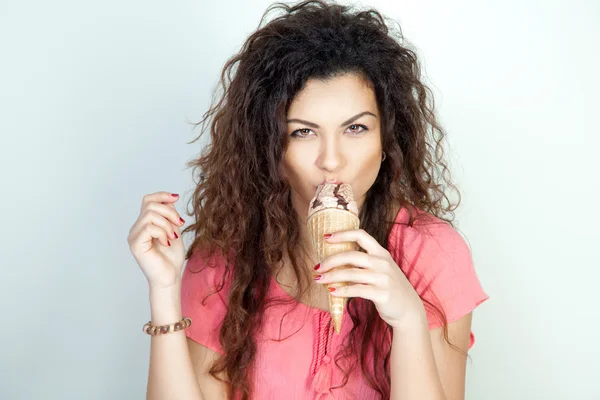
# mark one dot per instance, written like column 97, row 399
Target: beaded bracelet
column 156, row 330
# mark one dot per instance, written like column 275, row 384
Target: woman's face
column 334, row 130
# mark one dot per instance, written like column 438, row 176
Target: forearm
column 413, row 370
column 171, row 375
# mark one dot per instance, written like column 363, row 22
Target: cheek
column 366, row 169
column 295, row 166
column 367, row 156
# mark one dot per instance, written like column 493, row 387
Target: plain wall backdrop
column 95, row 99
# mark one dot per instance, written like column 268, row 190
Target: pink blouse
column 296, row 344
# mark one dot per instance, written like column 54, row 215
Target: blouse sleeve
column 438, row 263
column 202, row 301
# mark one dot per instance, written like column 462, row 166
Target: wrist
column 415, row 322
column 165, row 305
column 166, row 292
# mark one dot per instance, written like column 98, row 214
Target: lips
column 331, row 182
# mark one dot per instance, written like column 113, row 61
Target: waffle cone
column 332, row 220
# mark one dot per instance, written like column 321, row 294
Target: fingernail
column 174, row 194
column 328, row 235
column 169, row 242
column 331, row 289
column 175, row 234
column 317, row 266
column 317, row 277
column 182, row 220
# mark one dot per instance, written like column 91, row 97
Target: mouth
column 333, row 182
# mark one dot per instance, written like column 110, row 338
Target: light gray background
column 95, row 97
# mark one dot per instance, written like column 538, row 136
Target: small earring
column 384, row 156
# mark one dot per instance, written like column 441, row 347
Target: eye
column 364, row 128
column 299, row 133
column 303, row 133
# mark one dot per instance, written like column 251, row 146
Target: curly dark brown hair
column 242, row 165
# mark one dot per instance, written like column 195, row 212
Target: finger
column 176, row 228
column 353, row 275
column 158, row 197
column 149, row 232
column 172, row 205
column 355, row 258
column 368, row 292
column 169, row 213
column 361, row 237
column 153, row 218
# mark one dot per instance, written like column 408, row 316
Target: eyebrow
column 313, row 125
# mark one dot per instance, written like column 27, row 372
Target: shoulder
column 429, row 236
column 204, row 288
column 205, row 284
column 437, row 261
column 205, row 272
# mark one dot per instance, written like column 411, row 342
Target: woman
column 319, row 94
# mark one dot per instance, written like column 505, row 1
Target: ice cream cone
column 331, row 220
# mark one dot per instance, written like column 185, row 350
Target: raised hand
column 155, row 240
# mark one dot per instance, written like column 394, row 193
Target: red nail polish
column 317, row 277
column 175, row 234
column 317, row 266
column 169, row 242
column 328, row 235
column 331, row 289
column 182, row 220
column 174, row 194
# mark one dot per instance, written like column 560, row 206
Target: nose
column 331, row 156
